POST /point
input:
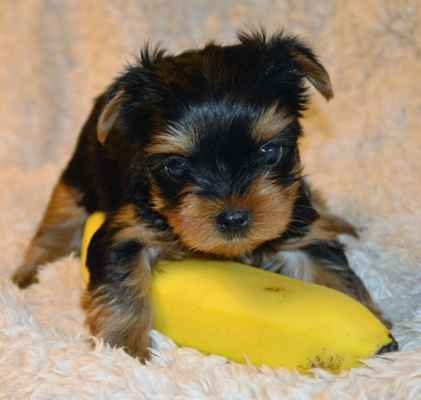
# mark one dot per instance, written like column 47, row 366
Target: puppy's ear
column 308, row 64
column 292, row 54
column 109, row 115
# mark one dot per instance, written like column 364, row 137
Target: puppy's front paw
column 25, row 276
column 141, row 349
column 119, row 322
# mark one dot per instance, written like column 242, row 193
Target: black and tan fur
column 173, row 151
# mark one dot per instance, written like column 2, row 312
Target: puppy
column 192, row 155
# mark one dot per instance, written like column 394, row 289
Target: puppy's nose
column 233, row 221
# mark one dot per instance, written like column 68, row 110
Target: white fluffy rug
column 363, row 150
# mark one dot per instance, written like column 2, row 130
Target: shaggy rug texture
column 363, row 150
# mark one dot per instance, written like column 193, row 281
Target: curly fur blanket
column 363, row 150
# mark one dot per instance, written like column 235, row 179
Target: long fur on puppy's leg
column 116, row 301
column 58, row 234
column 122, row 322
column 313, row 253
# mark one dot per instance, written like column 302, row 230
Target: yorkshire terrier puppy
column 189, row 155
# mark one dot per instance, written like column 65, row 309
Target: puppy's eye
column 270, row 153
column 176, row 167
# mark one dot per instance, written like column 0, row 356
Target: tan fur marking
column 131, row 227
column 109, row 116
column 329, row 279
column 62, row 217
column 335, row 281
column 120, row 324
column 326, row 228
column 315, row 73
column 271, row 123
column 270, row 206
column 176, row 140
column 58, row 234
column 125, row 216
column 335, row 223
column 157, row 199
column 63, row 205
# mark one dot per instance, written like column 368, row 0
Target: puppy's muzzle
column 233, row 221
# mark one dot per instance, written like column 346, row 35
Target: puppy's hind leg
column 58, row 233
column 328, row 266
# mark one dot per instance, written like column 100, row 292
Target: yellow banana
column 247, row 314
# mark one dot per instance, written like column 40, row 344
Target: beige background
column 363, row 149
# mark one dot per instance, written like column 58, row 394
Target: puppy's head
column 210, row 138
